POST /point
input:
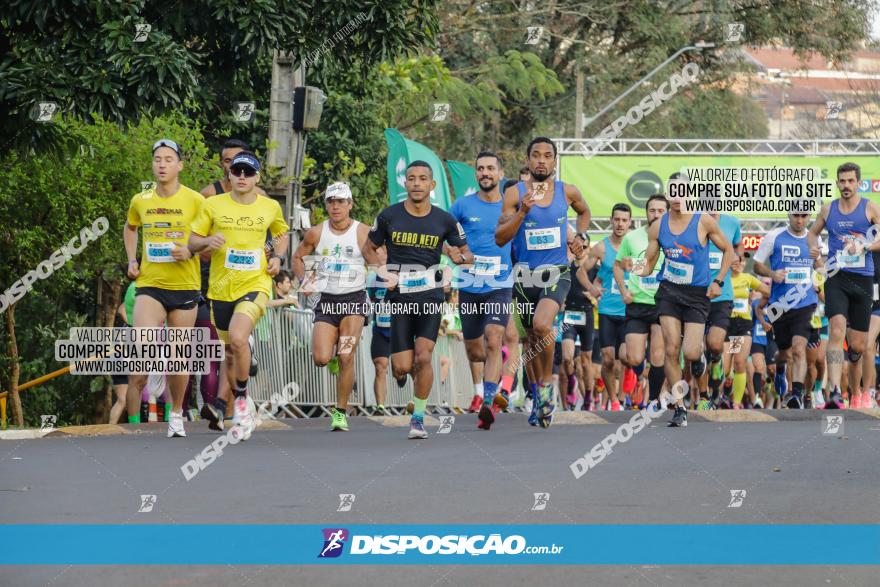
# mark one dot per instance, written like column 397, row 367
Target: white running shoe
column 243, row 418
column 175, row 425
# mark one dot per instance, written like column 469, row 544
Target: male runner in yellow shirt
column 167, row 276
column 233, row 227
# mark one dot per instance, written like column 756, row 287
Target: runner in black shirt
column 413, row 232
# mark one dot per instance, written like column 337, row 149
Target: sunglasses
column 239, row 171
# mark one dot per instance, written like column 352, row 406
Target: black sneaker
column 679, row 419
column 835, row 401
column 213, row 416
column 793, row 401
column 486, row 417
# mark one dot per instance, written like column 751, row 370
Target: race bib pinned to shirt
column 159, row 252
column 649, row 283
column 715, row 261
column 759, row 330
column 540, row 239
column 383, row 320
column 484, row 265
column 797, row 275
column 678, row 273
column 741, row 306
column 415, row 281
column 847, row 260
column 242, row 260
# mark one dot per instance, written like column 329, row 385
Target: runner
column 612, row 310
column 233, row 228
column 849, row 289
column 711, row 375
column 784, row 256
column 760, row 341
column 414, row 232
column 869, row 370
column 578, row 318
column 686, row 289
column 229, row 150
column 485, row 289
column 740, row 330
column 540, row 234
column 167, row 277
column 642, row 321
column 338, row 273
column 380, row 344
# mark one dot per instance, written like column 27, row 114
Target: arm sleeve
column 203, row 222
column 455, row 233
column 766, row 249
column 379, row 231
column 278, row 226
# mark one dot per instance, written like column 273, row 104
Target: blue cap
column 246, row 160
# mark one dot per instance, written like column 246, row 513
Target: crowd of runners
column 675, row 304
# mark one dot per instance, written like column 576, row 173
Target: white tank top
column 340, row 264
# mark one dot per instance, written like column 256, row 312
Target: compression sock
column 489, row 389
column 507, row 383
column 220, row 404
column 571, row 383
column 240, row 389
column 798, row 388
column 478, row 389
column 739, row 387
column 779, row 379
column 419, row 407
column 757, row 384
column 639, row 369
column 656, row 377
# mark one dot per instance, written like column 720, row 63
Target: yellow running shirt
column 165, row 222
column 239, row 266
column 743, row 285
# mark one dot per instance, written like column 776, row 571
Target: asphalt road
column 790, row 471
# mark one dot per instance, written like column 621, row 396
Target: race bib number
column 381, row 293
column 715, row 261
column 759, row 330
column 415, row 281
column 678, row 273
column 649, row 283
column 614, row 289
column 845, row 259
column 741, row 306
column 575, row 318
column 486, row 265
column 160, row 252
column 539, row 239
column 820, row 309
column 799, row 275
column 383, row 320
column 242, row 260
column 330, row 265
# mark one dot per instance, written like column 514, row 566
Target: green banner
column 464, row 178
column 605, row 180
column 401, row 152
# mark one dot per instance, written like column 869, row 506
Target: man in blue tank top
column 784, row 257
column 485, row 288
column 535, row 217
column 612, row 310
column 686, row 287
column 849, row 290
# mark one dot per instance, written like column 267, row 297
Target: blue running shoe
column 533, row 416
column 545, row 405
column 417, row 428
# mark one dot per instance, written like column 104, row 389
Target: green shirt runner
column 635, row 244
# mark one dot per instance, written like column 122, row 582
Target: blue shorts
column 479, row 310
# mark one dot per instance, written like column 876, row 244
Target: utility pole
column 579, row 97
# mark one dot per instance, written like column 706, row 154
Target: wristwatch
column 718, row 282
column 584, row 236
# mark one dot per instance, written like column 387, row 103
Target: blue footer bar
column 592, row 544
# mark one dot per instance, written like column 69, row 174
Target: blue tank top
column 845, row 227
column 730, row 227
column 542, row 238
column 611, row 302
column 792, row 254
column 687, row 260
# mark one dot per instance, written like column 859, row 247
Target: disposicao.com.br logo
column 452, row 544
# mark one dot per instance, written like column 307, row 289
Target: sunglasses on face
column 239, row 171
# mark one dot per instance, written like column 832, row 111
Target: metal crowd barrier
column 288, row 378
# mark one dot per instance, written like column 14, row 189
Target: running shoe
column 615, row 406
column 242, row 418
column 501, row 400
column 417, row 428
column 699, row 367
column 793, row 401
column 545, row 406
column 835, row 401
column 679, row 419
column 214, row 417
column 338, row 421
column 486, row 417
column 175, row 425
column 476, row 403
column 725, row 403
column 818, row 400
column 533, row 415
column 759, row 404
column 380, row 410
column 704, row 404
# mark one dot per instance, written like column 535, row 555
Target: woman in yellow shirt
column 741, row 324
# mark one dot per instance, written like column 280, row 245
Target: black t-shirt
column 576, row 299
column 416, row 241
column 876, row 255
